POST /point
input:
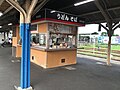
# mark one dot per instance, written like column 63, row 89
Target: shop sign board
column 58, row 16
column 64, row 16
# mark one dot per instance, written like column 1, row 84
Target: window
column 62, row 36
column 33, row 27
column 62, row 41
column 38, row 40
column 42, row 39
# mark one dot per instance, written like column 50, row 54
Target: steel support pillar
column 25, row 20
column 109, row 31
column 25, row 59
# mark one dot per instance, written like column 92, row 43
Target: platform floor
column 89, row 74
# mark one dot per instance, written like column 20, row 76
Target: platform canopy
column 89, row 11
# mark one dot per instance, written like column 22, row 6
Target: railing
column 102, row 53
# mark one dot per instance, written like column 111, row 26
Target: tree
column 94, row 33
column 104, row 34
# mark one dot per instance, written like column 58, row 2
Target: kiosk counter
column 53, row 43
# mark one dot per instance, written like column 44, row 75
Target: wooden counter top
column 61, row 49
column 51, row 50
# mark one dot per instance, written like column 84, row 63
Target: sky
column 94, row 28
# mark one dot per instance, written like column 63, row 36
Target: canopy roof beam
column 95, row 12
column 40, row 6
column 1, row 1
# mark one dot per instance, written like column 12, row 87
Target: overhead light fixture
column 1, row 14
column 83, row 2
column 0, row 26
column 53, row 11
column 9, row 24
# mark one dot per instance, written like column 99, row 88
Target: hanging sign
column 57, row 16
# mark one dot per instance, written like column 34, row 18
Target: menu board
column 61, row 28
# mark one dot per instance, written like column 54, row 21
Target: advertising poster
column 104, row 39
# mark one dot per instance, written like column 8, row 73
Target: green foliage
column 115, row 35
column 95, row 33
column 104, row 34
